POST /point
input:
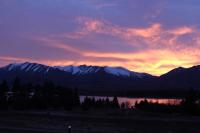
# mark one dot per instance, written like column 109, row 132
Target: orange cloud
column 157, row 50
column 153, row 36
column 181, row 31
column 154, row 30
column 56, row 44
column 93, row 25
column 155, row 62
column 152, row 61
column 12, row 59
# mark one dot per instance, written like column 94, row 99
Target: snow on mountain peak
column 75, row 70
column 117, row 71
column 27, row 67
column 83, row 69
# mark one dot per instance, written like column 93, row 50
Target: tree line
column 19, row 96
column 101, row 103
column 45, row 96
column 190, row 104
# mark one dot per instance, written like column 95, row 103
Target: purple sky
column 151, row 36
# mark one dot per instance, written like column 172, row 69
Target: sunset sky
column 152, row 36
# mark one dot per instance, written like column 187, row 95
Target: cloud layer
column 152, row 37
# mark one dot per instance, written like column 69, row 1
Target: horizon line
column 95, row 66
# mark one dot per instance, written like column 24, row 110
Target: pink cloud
column 151, row 31
column 161, row 48
column 153, row 36
column 12, row 59
column 181, row 31
column 49, row 42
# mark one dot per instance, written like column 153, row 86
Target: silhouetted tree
column 189, row 104
column 46, row 96
column 16, row 85
column 16, row 92
column 107, row 103
column 76, row 97
column 86, row 105
column 4, row 87
column 115, row 102
column 123, row 105
column 3, row 94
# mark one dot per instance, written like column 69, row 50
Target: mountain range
column 96, row 79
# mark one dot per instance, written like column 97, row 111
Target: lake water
column 132, row 101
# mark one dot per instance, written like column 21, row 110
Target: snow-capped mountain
column 77, row 76
column 96, row 79
column 27, row 67
column 117, row 71
column 83, row 69
column 75, row 70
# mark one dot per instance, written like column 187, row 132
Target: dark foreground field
column 96, row 122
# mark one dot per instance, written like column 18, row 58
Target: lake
column 132, row 101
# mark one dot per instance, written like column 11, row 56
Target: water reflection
column 132, row 101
